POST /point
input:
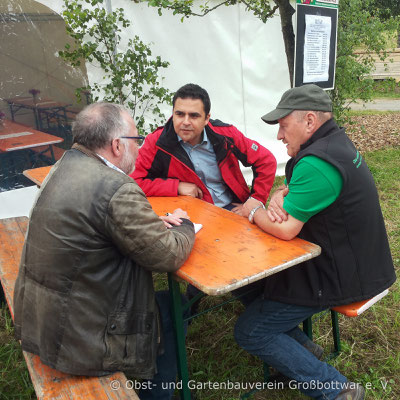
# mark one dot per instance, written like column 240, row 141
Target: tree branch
column 286, row 12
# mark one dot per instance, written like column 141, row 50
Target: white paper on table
column 197, row 227
column 12, row 135
column 316, row 48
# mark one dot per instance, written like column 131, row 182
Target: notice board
column 316, row 40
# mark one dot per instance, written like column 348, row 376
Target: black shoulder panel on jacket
column 217, row 122
column 160, row 166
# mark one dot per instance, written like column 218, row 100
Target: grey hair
column 98, row 124
column 322, row 116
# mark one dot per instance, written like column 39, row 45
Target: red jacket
column 163, row 163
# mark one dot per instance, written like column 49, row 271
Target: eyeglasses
column 139, row 139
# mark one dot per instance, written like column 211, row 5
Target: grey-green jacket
column 84, row 298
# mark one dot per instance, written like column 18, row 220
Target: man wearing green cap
column 330, row 199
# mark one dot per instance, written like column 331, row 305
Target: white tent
column 239, row 60
column 231, row 53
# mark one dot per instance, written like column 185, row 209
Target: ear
column 311, row 120
column 207, row 119
column 116, row 147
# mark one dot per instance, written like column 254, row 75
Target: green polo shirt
column 314, row 186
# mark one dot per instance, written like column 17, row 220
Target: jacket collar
column 324, row 130
column 168, row 141
column 87, row 151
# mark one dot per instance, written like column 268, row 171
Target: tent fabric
column 238, row 59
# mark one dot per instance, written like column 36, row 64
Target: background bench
column 44, row 151
column 49, row 383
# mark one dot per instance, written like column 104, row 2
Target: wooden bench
column 37, row 175
column 349, row 310
column 49, row 383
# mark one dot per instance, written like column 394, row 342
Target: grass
column 355, row 113
column 371, row 342
column 15, row 382
column 386, row 89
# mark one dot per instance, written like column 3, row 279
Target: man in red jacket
column 196, row 156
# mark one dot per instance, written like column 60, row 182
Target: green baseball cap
column 308, row 97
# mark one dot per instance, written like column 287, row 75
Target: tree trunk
column 286, row 11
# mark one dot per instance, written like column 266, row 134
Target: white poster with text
column 316, row 48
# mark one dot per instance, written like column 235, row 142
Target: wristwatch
column 253, row 211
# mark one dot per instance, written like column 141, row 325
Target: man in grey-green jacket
column 84, row 297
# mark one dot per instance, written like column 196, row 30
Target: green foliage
column 387, row 8
column 260, row 8
column 386, row 88
column 358, row 28
column 130, row 76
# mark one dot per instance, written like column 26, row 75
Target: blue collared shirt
column 206, row 167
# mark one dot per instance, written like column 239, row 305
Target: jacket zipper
column 190, row 170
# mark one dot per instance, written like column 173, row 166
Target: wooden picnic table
column 15, row 136
column 229, row 253
column 43, row 108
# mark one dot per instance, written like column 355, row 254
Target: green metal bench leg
column 307, row 328
column 2, row 296
column 267, row 373
column 177, row 318
column 336, row 332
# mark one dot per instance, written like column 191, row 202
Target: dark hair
column 98, row 124
column 193, row 91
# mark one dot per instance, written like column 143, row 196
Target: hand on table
column 238, row 209
column 189, row 189
column 249, row 205
column 174, row 218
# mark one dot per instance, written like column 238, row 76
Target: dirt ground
column 373, row 132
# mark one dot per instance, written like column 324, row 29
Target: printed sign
column 320, row 3
column 315, row 49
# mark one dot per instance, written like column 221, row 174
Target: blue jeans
column 162, row 385
column 269, row 330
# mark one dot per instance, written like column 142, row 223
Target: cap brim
column 273, row 116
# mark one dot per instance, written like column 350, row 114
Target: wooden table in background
column 15, row 137
column 43, row 108
column 34, row 138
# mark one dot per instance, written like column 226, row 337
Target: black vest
column 355, row 263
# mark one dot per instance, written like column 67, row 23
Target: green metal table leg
column 53, row 159
column 177, row 317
